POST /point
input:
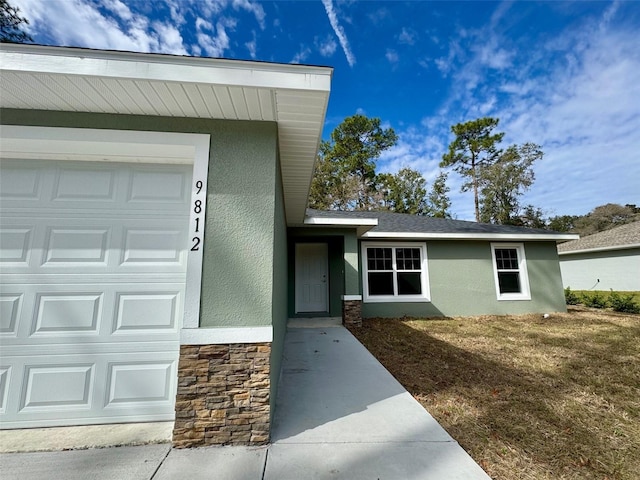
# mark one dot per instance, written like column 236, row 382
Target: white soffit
column 38, row 77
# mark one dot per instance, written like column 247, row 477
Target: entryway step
column 315, row 322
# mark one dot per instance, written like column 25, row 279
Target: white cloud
column 119, row 8
column 170, row 39
column 302, row 55
column 252, row 7
column 326, row 47
column 176, row 12
column 79, row 23
column 215, row 44
column 252, row 46
column 407, row 36
column 392, row 56
column 339, row 31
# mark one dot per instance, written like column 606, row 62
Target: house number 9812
column 197, row 209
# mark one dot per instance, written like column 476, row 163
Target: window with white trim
column 510, row 271
column 395, row 272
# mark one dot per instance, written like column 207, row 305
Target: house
column 384, row 264
column 155, row 241
column 608, row 260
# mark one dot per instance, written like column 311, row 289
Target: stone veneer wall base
column 352, row 313
column 223, row 395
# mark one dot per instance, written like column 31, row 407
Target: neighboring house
column 608, row 260
column 155, row 241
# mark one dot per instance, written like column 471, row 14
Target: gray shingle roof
column 404, row 223
column 621, row 236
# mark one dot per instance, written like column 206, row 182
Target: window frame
column 525, row 291
column 425, row 296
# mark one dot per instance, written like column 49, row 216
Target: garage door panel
column 53, row 245
column 151, row 311
column 19, row 182
column 90, row 388
column 5, row 373
column 69, row 312
column 135, row 383
column 15, row 244
column 101, row 187
column 89, row 183
column 156, row 246
column 77, row 244
column 92, row 312
column 170, row 186
column 10, row 307
column 57, row 386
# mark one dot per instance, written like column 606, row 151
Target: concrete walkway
column 339, row 415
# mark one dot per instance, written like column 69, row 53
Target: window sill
column 502, row 298
column 396, row 300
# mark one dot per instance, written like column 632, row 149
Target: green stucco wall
column 279, row 293
column 462, row 283
column 238, row 261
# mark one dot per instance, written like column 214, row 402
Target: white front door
column 312, row 277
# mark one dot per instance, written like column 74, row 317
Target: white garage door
column 93, row 263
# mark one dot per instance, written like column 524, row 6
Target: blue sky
column 565, row 75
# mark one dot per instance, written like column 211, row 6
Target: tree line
column 345, row 178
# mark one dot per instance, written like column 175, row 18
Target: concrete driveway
column 340, row 415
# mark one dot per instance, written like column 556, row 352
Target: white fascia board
column 341, row 222
column 468, row 236
column 157, row 67
column 222, row 336
column 601, row 249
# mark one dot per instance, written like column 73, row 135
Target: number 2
column 196, row 244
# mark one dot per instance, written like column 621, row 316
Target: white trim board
column 468, row 236
column 167, row 68
column 525, row 289
column 222, row 336
column 345, row 222
column 600, row 249
column 348, row 298
column 95, row 145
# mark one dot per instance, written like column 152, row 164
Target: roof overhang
column 600, row 249
column 470, row 236
column 36, row 77
column 362, row 225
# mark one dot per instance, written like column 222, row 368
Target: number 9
column 199, row 186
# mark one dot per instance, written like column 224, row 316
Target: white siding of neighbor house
column 617, row 270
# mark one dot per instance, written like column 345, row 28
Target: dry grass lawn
column 527, row 397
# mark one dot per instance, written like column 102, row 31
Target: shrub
column 570, row 297
column 594, row 300
column 623, row 303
